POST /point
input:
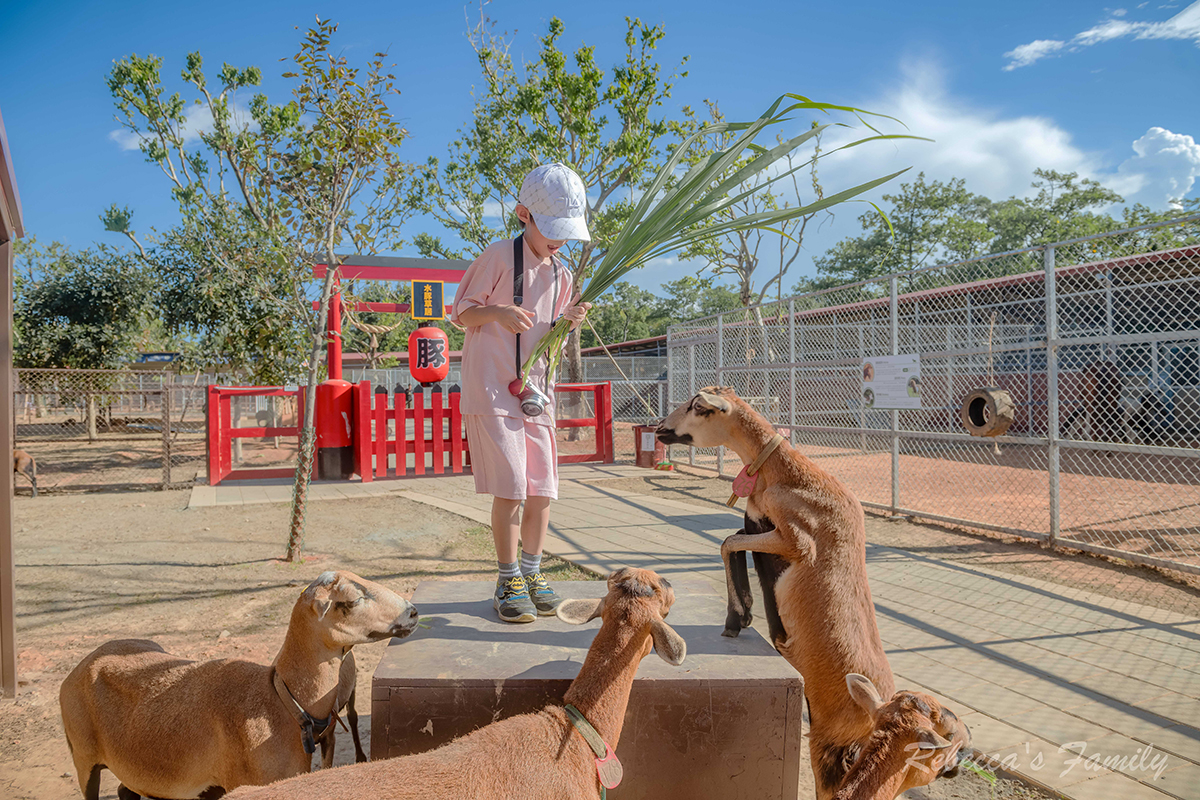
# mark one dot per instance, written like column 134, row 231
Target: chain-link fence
column 110, row 429
column 1097, row 341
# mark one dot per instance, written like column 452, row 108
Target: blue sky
column 1108, row 91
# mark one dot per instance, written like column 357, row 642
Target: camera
column 533, row 400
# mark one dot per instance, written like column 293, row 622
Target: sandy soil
column 206, row 583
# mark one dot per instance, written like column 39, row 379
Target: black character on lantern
column 430, row 353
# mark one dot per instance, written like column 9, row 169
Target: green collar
column 589, row 734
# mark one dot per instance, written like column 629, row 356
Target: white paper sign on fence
column 891, row 381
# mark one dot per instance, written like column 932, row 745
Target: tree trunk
column 308, row 432
column 574, row 362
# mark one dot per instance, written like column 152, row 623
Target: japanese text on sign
column 428, row 300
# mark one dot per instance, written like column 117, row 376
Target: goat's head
column 704, row 421
column 639, row 599
column 914, row 727
column 347, row 610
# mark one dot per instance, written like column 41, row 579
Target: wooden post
column 456, row 434
column 381, row 438
column 214, row 435
column 418, row 431
column 362, row 431
column 437, row 432
column 8, row 635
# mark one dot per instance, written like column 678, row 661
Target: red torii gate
column 335, row 403
column 379, row 268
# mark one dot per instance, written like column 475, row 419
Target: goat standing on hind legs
column 807, row 533
column 172, row 728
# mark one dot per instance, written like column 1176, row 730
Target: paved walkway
column 1029, row 667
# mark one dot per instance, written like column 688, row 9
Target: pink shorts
column 512, row 458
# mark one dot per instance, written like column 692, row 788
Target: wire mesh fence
column 1096, row 340
column 106, row 429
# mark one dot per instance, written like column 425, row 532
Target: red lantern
column 428, row 355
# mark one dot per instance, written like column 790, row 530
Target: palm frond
column 677, row 210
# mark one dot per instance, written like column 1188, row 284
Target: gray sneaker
column 512, row 601
column 543, row 597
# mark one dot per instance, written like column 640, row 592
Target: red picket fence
column 221, row 432
column 437, row 441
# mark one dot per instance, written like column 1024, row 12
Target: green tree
column 314, row 175
column 626, row 312
column 935, row 222
column 85, row 309
column 607, row 126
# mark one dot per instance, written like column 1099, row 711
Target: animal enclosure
column 1097, row 340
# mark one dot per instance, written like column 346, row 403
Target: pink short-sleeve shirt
column 489, row 350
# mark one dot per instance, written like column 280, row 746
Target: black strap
column 519, row 287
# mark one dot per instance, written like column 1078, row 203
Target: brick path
column 1030, row 667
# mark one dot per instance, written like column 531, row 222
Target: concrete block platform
column 725, row 724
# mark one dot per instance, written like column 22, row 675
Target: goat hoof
column 731, row 632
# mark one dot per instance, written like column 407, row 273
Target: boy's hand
column 514, row 319
column 576, row 312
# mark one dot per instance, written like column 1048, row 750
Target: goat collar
column 608, row 767
column 308, row 723
column 743, row 484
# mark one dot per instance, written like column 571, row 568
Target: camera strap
column 519, row 288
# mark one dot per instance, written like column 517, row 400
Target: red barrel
column 649, row 452
column 334, row 422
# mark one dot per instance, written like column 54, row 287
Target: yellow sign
column 428, row 300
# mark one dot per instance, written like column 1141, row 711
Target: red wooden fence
column 382, row 439
column 221, row 432
column 437, row 441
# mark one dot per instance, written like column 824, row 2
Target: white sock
column 508, row 570
column 530, row 564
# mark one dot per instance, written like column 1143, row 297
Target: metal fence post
column 165, row 402
column 1052, row 433
column 792, row 361
column 894, row 311
column 720, row 363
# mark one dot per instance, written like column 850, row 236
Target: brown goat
column 168, row 727
column 538, row 754
column 915, row 740
column 23, row 464
column 810, row 530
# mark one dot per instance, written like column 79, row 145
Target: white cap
column 557, row 201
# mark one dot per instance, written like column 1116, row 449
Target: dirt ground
column 206, row 583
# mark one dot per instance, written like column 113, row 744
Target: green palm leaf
column 674, row 211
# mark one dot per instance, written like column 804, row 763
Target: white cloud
column 1025, row 54
column 1164, row 168
column 994, row 154
column 1183, row 26
column 197, row 120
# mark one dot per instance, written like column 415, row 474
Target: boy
column 513, row 453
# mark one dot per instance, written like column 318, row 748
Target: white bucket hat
column 557, row 201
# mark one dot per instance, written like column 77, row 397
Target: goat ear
column 578, row 612
column 321, row 605
column 863, row 692
column 670, row 645
column 928, row 739
column 716, row 401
